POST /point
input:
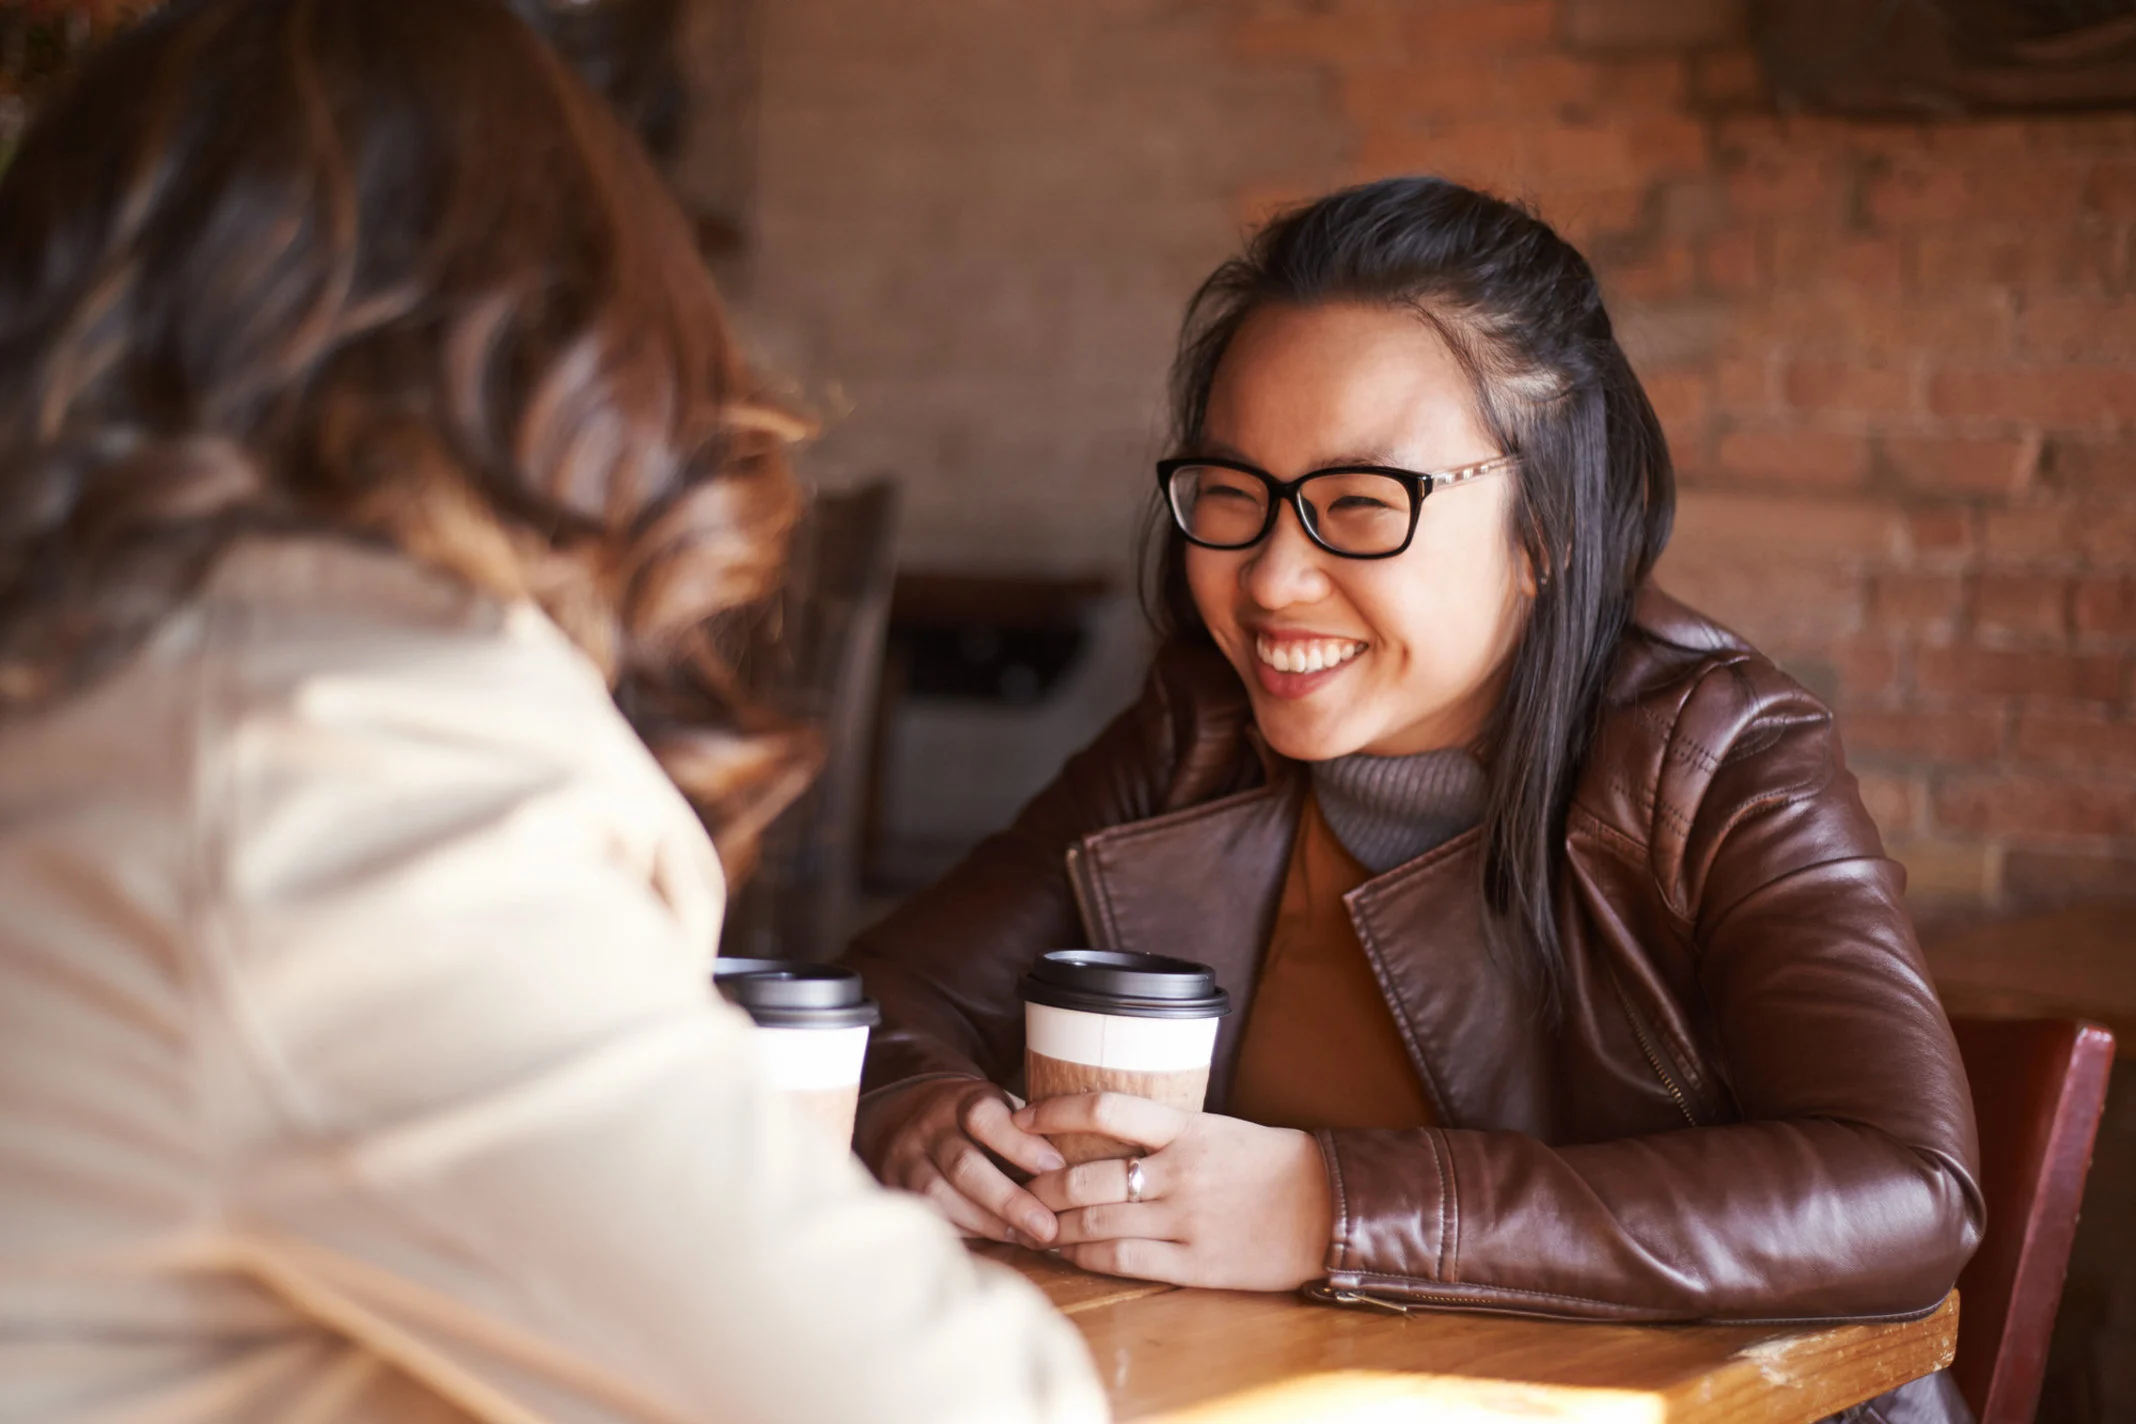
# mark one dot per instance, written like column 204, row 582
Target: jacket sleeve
column 497, row 1129
column 1845, row 1186
column 945, row 964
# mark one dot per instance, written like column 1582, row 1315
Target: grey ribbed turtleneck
column 1387, row 810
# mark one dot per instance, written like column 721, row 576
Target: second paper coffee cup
column 812, row 1023
column 1098, row 1020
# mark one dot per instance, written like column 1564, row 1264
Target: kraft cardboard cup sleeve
column 1097, row 1020
column 812, row 1023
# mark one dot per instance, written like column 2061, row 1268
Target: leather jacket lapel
column 1474, row 1032
column 1201, row 884
column 1480, row 1048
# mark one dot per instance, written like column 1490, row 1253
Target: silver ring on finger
column 1136, row 1182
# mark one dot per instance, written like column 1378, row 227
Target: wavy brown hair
column 387, row 271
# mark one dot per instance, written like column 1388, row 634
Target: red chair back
column 2039, row 1086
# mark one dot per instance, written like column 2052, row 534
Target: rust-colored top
column 1321, row 1048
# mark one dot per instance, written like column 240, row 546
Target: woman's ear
column 1531, row 547
column 1530, row 583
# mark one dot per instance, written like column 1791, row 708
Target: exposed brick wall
column 1897, row 364
column 976, row 222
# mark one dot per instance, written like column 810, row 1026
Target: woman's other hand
column 933, row 1139
column 1224, row 1202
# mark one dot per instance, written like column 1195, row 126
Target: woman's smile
column 1293, row 665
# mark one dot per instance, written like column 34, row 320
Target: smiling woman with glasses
column 1571, row 978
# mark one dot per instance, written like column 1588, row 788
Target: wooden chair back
column 2039, row 1087
column 822, row 661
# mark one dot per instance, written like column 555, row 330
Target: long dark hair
column 390, row 272
column 1594, row 493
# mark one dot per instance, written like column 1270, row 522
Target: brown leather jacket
column 1751, row 1109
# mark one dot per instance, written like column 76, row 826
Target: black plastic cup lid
column 725, row 965
column 1135, row 986
column 780, row 993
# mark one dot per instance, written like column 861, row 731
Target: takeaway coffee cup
column 812, row 1023
column 1100, row 1021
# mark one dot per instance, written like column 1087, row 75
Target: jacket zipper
column 1653, row 1058
column 1081, row 890
column 1424, row 1299
column 1343, row 1297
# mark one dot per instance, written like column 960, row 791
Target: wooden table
column 1234, row 1357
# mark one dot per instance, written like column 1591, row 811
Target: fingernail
column 1051, row 1162
column 1039, row 1228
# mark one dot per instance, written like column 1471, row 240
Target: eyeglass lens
column 1350, row 513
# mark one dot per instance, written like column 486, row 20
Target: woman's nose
column 1287, row 567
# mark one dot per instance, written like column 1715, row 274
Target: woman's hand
column 933, row 1139
column 1224, row 1203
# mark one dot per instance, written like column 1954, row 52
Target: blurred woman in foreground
column 368, row 433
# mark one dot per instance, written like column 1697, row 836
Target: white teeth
column 1315, row 655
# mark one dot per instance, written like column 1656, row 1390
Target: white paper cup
column 812, row 1023
column 1101, row 1021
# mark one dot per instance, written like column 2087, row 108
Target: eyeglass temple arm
column 1470, row 472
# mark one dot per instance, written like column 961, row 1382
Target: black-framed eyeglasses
column 1356, row 511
